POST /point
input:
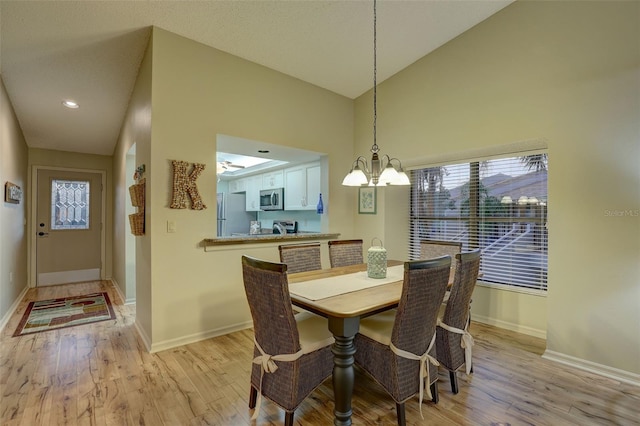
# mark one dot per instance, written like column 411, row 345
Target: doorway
column 68, row 226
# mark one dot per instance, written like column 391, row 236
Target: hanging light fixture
column 382, row 171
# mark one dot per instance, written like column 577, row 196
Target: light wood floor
column 100, row 374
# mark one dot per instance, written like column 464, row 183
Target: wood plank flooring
column 100, row 374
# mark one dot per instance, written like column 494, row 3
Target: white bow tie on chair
column 268, row 365
column 424, row 368
column 466, row 343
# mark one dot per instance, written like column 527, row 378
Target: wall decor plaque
column 12, row 193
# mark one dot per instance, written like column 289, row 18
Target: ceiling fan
column 223, row 166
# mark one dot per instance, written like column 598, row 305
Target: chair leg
column 434, row 392
column 253, row 395
column 454, row 381
column 402, row 418
column 288, row 418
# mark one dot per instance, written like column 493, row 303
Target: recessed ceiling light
column 70, row 104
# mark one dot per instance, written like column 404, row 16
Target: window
column 69, row 204
column 498, row 205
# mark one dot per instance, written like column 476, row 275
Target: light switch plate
column 171, row 226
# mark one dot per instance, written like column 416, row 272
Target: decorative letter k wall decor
column 185, row 185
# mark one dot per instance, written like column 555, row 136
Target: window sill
column 512, row 288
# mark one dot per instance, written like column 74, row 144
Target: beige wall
column 13, row 237
column 136, row 129
column 182, row 292
column 564, row 72
column 567, row 72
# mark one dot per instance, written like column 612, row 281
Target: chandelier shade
column 381, row 171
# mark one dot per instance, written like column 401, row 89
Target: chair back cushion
column 301, row 257
column 267, row 291
column 345, row 252
column 430, row 249
column 457, row 310
column 425, row 282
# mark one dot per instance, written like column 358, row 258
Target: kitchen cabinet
column 273, row 180
column 253, row 185
column 237, row 185
column 302, row 187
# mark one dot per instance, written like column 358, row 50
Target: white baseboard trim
column 114, row 283
column 542, row 334
column 192, row 338
column 145, row 339
column 592, row 367
column 13, row 308
column 65, row 277
column 119, row 291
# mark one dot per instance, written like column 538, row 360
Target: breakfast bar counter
column 267, row 238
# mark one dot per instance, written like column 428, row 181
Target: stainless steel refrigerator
column 232, row 216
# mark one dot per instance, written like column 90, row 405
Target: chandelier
column 382, row 171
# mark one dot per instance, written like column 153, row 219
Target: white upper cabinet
column 313, row 186
column 302, row 187
column 273, row 180
column 237, row 185
column 252, row 200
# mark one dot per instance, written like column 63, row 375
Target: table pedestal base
column 344, row 331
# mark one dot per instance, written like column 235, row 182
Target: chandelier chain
column 374, row 148
column 381, row 171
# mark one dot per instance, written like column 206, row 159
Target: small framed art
column 367, row 200
column 12, row 193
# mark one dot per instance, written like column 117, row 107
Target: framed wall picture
column 12, row 193
column 367, row 200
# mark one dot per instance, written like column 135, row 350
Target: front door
column 68, row 226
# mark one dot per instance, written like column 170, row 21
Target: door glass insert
column 69, row 204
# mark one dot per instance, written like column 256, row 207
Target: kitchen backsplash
column 308, row 221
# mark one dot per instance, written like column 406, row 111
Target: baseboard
column 145, row 338
column 192, row 338
column 542, row 334
column 119, row 291
column 66, row 277
column 13, row 308
column 592, row 367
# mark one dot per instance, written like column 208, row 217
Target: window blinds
column 498, row 205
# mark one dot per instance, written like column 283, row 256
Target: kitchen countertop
column 267, row 238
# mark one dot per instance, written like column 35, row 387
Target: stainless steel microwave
column 272, row 199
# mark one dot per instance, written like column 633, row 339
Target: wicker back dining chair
column 345, row 252
column 390, row 345
column 301, row 257
column 453, row 341
column 434, row 248
column 300, row 351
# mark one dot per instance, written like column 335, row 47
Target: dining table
column 344, row 295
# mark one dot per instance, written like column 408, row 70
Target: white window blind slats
column 498, row 205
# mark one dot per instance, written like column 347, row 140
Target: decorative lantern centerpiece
column 377, row 260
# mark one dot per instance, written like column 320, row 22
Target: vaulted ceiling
column 89, row 51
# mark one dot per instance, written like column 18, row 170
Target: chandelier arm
column 385, row 161
column 396, row 159
column 362, row 162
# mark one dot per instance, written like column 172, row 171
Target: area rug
column 45, row 315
